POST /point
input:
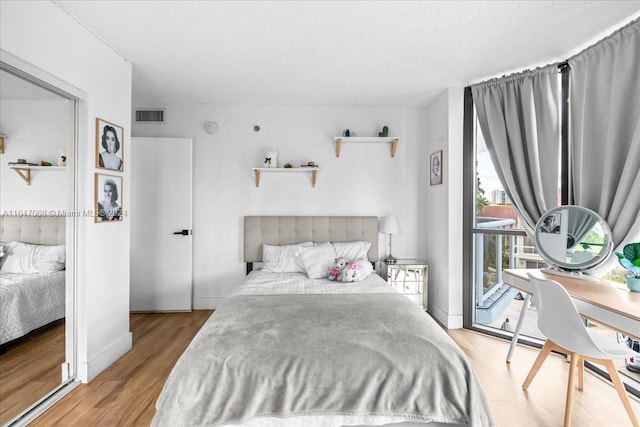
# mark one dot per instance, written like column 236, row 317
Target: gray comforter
column 286, row 355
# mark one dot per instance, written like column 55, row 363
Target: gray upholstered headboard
column 37, row 230
column 287, row 230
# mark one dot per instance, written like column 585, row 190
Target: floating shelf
column 312, row 170
column 390, row 139
column 25, row 171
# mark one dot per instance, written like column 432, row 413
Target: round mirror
column 573, row 238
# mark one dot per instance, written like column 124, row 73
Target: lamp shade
column 389, row 225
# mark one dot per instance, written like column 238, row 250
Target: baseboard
column 207, row 303
column 450, row 321
column 106, row 357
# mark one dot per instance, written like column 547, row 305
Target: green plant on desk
column 630, row 260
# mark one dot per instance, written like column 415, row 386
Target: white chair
column 560, row 322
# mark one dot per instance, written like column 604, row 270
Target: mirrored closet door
column 38, row 131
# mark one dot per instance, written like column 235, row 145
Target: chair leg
column 544, row 352
column 615, row 379
column 569, row 405
column 580, row 373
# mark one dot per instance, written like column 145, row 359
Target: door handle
column 182, row 233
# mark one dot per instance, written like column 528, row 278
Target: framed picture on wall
column 109, row 146
column 435, row 168
column 108, row 198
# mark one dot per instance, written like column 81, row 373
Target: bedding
column 316, row 260
column 282, row 259
column 289, row 350
column 351, row 250
column 22, row 257
column 29, row 301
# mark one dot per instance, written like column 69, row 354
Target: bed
column 291, row 349
column 32, row 275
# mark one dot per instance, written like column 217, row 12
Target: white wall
column 40, row 34
column 35, row 130
column 365, row 180
column 442, row 230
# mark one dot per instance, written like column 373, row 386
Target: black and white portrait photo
column 551, row 224
column 109, row 146
column 436, row 168
column 108, row 198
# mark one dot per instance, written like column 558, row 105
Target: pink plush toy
column 356, row 271
column 334, row 273
column 338, row 267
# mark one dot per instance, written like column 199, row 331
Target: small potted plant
column 630, row 259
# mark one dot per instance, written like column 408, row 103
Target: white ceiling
column 336, row 52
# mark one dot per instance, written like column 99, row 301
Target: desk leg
column 516, row 333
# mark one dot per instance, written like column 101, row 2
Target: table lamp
column 389, row 225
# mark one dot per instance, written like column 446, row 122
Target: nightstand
column 409, row 277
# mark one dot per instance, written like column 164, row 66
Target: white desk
column 601, row 301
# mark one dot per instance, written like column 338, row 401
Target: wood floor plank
column 125, row 393
column 30, row 370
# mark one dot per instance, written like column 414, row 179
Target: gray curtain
column 520, row 122
column 605, row 131
column 579, row 224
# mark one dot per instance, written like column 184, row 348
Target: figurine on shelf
column 62, row 160
column 346, row 132
column 385, row 132
column 271, row 159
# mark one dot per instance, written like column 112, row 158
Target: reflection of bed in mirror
column 32, row 274
column 573, row 239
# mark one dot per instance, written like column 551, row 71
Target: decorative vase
column 633, row 283
column 62, row 160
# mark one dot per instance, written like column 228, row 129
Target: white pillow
column 317, row 260
column 4, row 251
column 352, row 251
column 282, row 259
column 26, row 258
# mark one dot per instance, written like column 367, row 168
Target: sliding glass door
column 498, row 243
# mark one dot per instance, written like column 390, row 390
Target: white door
column 161, row 224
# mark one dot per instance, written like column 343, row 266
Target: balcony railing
column 483, row 292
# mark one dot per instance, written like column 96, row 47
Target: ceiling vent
column 150, row 116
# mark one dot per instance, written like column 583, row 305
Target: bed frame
column 37, row 230
column 288, row 230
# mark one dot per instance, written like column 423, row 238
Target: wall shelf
column 390, row 139
column 25, row 171
column 312, row 170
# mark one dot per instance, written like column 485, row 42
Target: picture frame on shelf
column 435, row 168
column 109, row 146
column 108, row 198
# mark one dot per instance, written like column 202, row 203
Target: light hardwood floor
column 125, row 393
column 543, row 403
column 30, row 370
